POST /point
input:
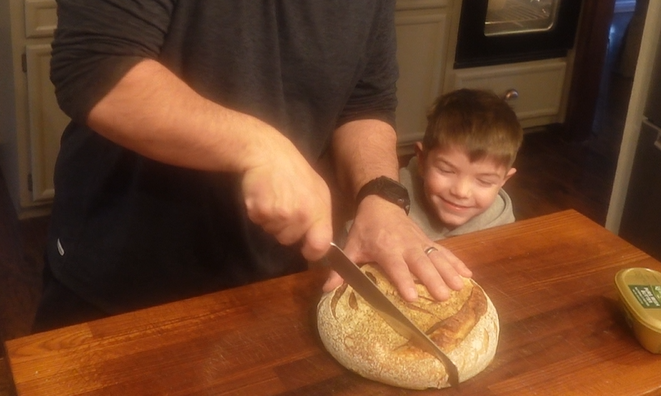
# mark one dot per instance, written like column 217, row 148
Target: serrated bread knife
column 368, row 290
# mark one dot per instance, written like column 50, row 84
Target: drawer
column 40, row 18
column 536, row 87
column 418, row 4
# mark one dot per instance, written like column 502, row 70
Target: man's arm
column 154, row 113
column 381, row 231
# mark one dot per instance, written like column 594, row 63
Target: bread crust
column 465, row 327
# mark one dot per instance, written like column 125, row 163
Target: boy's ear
column 419, row 153
column 418, row 149
column 509, row 174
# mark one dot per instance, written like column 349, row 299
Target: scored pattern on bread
column 465, row 327
column 448, row 333
column 446, row 323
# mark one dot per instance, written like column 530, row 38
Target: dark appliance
column 641, row 215
column 494, row 32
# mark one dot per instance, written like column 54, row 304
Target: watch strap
column 388, row 189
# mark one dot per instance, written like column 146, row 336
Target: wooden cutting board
column 550, row 278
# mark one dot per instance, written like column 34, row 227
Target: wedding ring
column 429, row 250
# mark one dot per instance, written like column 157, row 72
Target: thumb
column 316, row 241
column 334, row 280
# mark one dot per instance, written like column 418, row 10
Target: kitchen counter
column 551, row 279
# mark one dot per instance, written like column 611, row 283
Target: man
column 189, row 164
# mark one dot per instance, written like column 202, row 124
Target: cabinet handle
column 511, row 94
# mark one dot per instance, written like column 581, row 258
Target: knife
column 368, row 290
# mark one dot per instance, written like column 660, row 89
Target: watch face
column 403, row 203
column 396, row 193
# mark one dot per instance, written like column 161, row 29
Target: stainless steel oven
column 494, row 32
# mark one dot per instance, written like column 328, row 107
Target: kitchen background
column 556, row 170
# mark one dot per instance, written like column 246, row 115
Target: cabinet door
column 46, row 121
column 534, row 88
column 421, row 45
column 40, row 18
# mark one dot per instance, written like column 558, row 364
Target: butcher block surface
column 551, row 279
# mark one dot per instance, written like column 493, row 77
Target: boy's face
column 457, row 189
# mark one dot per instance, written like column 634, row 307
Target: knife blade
column 368, row 290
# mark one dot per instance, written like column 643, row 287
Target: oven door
column 494, row 32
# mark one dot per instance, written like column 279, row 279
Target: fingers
column 315, row 234
column 393, row 265
column 317, row 240
column 400, row 276
column 436, row 271
column 430, row 274
column 450, row 268
column 292, row 207
column 388, row 237
column 334, row 280
column 432, row 270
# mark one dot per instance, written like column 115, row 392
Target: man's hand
column 177, row 126
column 382, row 233
column 288, row 199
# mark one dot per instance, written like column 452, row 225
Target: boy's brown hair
column 477, row 121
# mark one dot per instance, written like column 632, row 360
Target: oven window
column 493, row 32
column 506, row 17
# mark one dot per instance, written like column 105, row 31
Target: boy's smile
column 457, row 189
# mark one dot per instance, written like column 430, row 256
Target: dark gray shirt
column 129, row 232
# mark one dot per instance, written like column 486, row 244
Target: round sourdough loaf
column 465, row 327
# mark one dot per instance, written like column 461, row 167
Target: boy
column 456, row 177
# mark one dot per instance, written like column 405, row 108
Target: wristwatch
column 388, row 189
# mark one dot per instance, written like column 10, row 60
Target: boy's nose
column 461, row 188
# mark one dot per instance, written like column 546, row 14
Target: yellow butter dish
column 640, row 295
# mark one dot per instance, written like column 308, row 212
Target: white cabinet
column 46, row 121
column 31, row 122
column 422, row 40
column 40, row 18
column 535, row 89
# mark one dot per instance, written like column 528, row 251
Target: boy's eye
column 485, row 182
